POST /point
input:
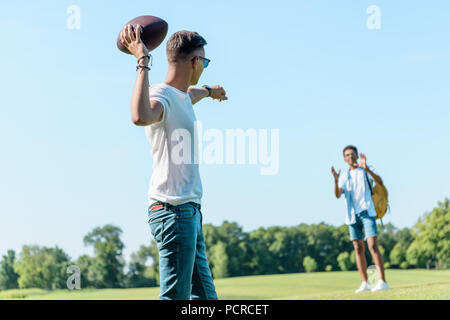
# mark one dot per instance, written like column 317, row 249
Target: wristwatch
column 209, row 90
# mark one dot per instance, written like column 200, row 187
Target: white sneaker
column 365, row 286
column 381, row 285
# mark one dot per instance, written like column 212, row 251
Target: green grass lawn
column 405, row 284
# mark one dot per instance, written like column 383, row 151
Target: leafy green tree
column 404, row 265
column 416, row 256
column 404, row 236
column 41, row 267
column 109, row 263
column 387, row 237
column 398, row 254
column 432, row 238
column 153, row 270
column 8, row 277
column 90, row 276
column 309, row 264
column 329, row 268
column 236, row 242
column 281, row 250
column 261, row 261
column 321, row 244
column 344, row 261
column 231, row 234
column 219, row 260
column 138, row 273
column 277, row 249
column 341, row 242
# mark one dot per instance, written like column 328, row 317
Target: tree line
column 232, row 252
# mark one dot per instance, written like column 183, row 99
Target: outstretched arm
column 217, row 92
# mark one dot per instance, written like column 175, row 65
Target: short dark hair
column 350, row 147
column 182, row 43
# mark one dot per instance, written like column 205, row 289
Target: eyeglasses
column 350, row 154
column 206, row 61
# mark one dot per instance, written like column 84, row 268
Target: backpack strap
column 371, row 192
column 368, row 182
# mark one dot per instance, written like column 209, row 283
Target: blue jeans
column 363, row 220
column 183, row 267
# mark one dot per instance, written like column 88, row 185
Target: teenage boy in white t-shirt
column 361, row 213
column 175, row 188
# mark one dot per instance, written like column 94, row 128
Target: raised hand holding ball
column 142, row 35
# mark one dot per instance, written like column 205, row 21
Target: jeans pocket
column 157, row 229
column 186, row 212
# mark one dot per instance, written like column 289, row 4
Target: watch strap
column 209, row 90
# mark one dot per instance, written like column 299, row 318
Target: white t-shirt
column 357, row 193
column 175, row 177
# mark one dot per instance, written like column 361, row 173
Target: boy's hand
column 335, row 174
column 218, row 92
column 363, row 162
column 131, row 39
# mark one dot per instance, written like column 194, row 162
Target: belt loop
column 197, row 205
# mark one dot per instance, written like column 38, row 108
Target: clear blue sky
column 72, row 160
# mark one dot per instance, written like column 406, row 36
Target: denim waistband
column 169, row 206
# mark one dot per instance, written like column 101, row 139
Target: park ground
column 405, row 285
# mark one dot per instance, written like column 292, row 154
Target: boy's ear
column 194, row 62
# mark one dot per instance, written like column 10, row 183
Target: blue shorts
column 363, row 220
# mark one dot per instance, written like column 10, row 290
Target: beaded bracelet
column 142, row 67
column 149, row 56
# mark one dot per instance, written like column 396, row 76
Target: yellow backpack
column 379, row 197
